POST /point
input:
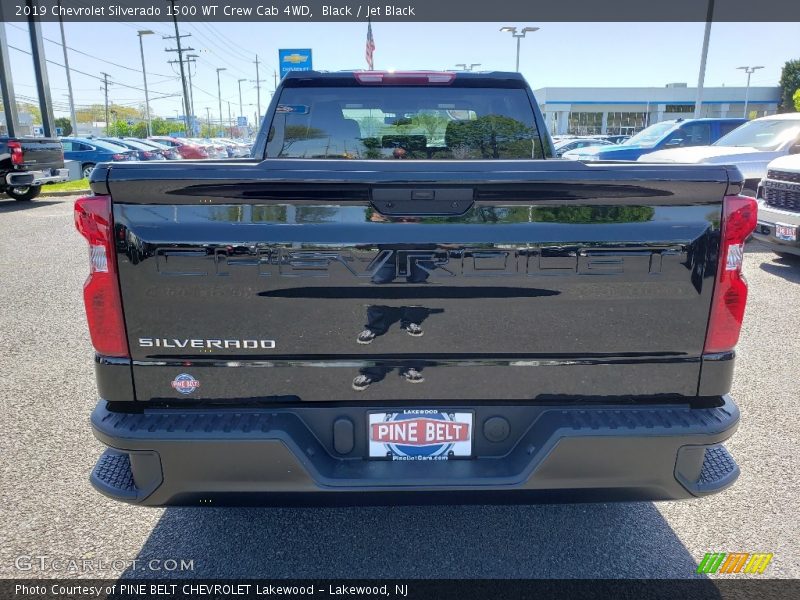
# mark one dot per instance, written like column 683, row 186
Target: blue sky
column 560, row 54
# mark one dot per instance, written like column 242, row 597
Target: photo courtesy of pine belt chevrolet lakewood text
column 403, row 295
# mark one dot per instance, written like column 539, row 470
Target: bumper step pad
column 706, row 470
column 719, row 469
column 113, row 474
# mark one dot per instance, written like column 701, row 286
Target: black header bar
column 511, row 11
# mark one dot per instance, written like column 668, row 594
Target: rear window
column 404, row 123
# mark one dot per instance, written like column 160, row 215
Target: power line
column 92, row 56
column 74, row 70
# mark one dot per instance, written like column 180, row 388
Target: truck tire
column 24, row 193
column 86, row 169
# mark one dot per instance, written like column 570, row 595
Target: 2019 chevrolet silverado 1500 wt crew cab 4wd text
column 401, row 297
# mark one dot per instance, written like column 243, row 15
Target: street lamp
column 219, row 92
column 749, row 71
column 468, row 66
column 140, row 33
column 519, row 36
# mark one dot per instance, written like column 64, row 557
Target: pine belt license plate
column 420, row 434
column 786, row 232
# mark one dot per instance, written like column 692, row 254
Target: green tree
column 492, row 136
column 159, row 126
column 796, row 99
column 139, row 129
column 65, row 125
column 790, row 83
column 97, row 112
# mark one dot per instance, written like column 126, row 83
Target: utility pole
column 241, row 108
column 230, row 126
column 72, row 118
column 258, row 89
column 698, row 102
column 219, row 94
column 177, row 37
column 105, row 91
column 140, row 33
column 208, row 121
column 190, row 60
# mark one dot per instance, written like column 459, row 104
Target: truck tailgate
column 534, row 281
column 42, row 153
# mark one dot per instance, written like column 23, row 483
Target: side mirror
column 674, row 142
column 795, row 149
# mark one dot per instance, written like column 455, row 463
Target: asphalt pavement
column 48, row 509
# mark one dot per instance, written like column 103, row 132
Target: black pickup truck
column 27, row 163
column 403, row 297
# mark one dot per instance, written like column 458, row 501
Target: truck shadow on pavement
column 509, row 541
column 9, row 206
column 787, row 268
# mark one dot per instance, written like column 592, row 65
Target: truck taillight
column 94, row 221
column 16, row 153
column 739, row 214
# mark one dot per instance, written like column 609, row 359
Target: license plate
column 786, row 232
column 420, row 434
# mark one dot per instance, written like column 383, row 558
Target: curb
column 64, row 193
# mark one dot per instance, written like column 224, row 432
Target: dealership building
column 624, row 111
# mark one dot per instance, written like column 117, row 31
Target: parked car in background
column 214, row 149
column 779, row 206
column 566, row 145
column 90, row 151
column 166, row 151
column 184, row 147
column 143, row 152
column 235, row 149
column 676, row 133
column 26, row 163
column 750, row 147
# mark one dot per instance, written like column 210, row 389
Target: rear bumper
column 26, row 178
column 307, row 455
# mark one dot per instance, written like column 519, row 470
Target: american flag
column 370, row 47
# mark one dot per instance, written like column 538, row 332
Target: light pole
column 219, row 92
column 468, row 66
column 749, row 71
column 519, row 36
column 73, row 118
column 140, row 33
column 241, row 108
column 701, row 77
